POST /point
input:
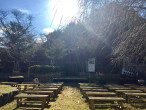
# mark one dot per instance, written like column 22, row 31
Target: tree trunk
column 16, row 68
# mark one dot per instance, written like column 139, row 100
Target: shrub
column 42, row 69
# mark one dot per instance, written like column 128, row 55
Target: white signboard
column 91, row 65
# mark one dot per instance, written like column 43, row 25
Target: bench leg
column 53, row 95
column 121, row 105
column 25, row 87
column 34, row 86
column 83, row 94
column 48, row 99
column 87, row 97
column 18, row 102
column 43, row 103
column 120, row 94
column 56, row 93
column 92, row 105
column 19, row 87
column 128, row 98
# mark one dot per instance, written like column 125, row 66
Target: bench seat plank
column 128, row 91
column 102, row 90
column 135, row 94
column 91, row 87
column 100, row 93
column 14, row 84
column 129, row 95
column 106, row 104
column 30, row 96
column 21, row 96
column 31, row 101
column 55, row 90
column 107, row 98
column 121, row 92
column 45, row 92
column 119, row 88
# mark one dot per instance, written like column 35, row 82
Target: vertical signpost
column 91, row 65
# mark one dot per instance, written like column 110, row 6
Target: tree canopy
column 112, row 31
column 16, row 38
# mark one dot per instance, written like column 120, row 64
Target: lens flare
column 64, row 11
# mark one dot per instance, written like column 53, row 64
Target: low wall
column 28, row 77
column 47, row 77
column 7, row 97
column 108, row 77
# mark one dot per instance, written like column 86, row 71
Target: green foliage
column 112, row 31
column 55, row 47
column 43, row 69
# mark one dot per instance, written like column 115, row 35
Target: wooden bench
column 96, row 90
column 37, row 84
column 20, row 100
column 27, row 82
column 119, row 101
column 118, row 88
column 26, row 86
column 101, row 94
column 136, row 95
column 54, row 84
column 120, row 92
column 13, row 84
column 87, row 84
column 134, row 87
column 141, row 88
column 90, row 86
column 83, row 91
column 49, row 93
column 127, row 85
column 107, row 94
column 51, row 86
column 55, row 90
column 112, row 85
column 85, row 87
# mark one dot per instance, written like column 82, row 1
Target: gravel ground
column 69, row 99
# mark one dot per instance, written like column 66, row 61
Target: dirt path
column 69, row 99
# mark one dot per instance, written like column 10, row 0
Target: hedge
column 43, row 69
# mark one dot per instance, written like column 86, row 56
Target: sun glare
column 63, row 11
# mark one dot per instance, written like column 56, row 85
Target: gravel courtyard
column 69, row 99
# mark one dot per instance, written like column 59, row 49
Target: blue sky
column 39, row 9
column 44, row 12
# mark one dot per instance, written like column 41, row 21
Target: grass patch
column 6, row 89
